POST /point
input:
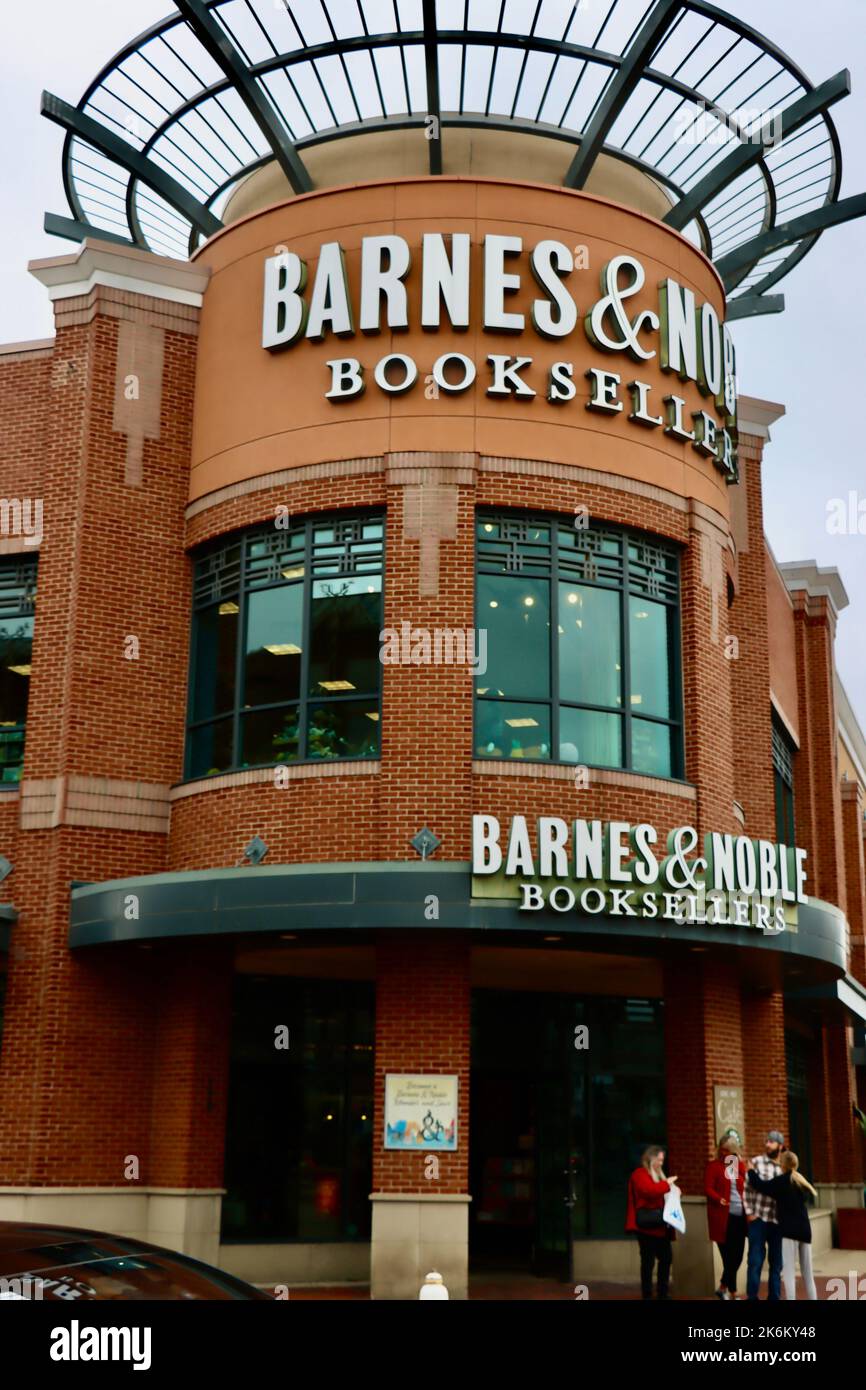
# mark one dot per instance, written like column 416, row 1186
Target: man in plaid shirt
column 764, row 1233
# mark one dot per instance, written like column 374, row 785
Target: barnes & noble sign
column 684, row 335
column 611, row 868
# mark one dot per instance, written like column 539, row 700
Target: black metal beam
column 749, row 306
column 219, row 46
column 731, row 266
column 431, row 62
column 71, row 229
column 798, row 114
column 129, row 158
column 620, row 88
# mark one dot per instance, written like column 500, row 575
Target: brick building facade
column 188, row 479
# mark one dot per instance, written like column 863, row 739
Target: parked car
column 59, row 1262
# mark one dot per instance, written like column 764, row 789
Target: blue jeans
column 764, row 1235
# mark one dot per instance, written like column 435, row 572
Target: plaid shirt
column 758, row 1203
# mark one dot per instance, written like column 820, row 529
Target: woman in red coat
column 726, row 1214
column 647, row 1187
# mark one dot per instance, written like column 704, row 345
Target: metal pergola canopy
column 733, row 130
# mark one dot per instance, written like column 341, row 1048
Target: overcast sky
column 811, row 358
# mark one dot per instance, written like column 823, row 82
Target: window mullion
column 306, row 612
column 239, row 657
column 553, row 616
column 625, row 653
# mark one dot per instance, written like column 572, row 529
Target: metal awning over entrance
column 354, row 900
column 838, row 1001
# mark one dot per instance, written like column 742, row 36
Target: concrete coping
column 420, row 1197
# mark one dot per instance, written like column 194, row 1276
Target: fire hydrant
column 433, row 1287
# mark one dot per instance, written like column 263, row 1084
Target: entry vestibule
column 566, row 1092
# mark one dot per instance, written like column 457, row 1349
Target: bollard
column 433, row 1287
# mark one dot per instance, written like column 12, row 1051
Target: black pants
column 654, row 1248
column 731, row 1251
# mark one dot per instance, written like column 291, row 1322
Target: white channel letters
column 612, row 868
column 686, row 336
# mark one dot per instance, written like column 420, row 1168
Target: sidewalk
column 848, row 1265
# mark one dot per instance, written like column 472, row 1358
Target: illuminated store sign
column 611, row 868
column 685, row 336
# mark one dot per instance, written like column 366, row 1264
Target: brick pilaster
column 703, row 1049
column 422, row 1025
column 750, row 671
column 855, row 874
column 766, row 1083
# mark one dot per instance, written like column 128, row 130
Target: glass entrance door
column 551, row 1119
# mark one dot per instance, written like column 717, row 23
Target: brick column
column 703, row 1049
column 766, row 1079
column 836, row 1139
column 104, row 742
column 420, row 1209
column 750, row 671
column 430, row 546
column 708, row 673
column 855, row 875
column 817, row 595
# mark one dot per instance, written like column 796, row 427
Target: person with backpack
column 789, row 1191
column 647, row 1189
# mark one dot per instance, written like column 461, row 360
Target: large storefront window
column 300, row 1119
column 285, row 646
column 783, row 782
column 543, row 1109
column 582, row 645
column 17, row 604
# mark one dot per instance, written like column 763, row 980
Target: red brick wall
column 703, row 1049
column 113, row 1052
column 750, row 672
column 76, row 1067
column 817, row 800
column 25, row 381
column 855, row 874
column 422, row 1025
column 766, row 1086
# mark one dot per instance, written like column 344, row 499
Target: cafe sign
column 611, row 868
column 684, row 335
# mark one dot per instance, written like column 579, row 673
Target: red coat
column 717, row 1186
column 643, row 1192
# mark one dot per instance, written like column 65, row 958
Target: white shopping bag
column 673, row 1212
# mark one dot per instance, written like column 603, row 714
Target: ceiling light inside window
column 336, row 685
column 522, row 723
column 227, row 609
column 19, row 670
column 296, row 573
column 283, row 649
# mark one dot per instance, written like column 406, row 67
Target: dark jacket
column 791, row 1210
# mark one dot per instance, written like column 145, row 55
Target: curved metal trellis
column 733, row 131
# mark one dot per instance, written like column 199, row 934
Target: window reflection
column 17, row 598
column 582, row 645
column 286, row 646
